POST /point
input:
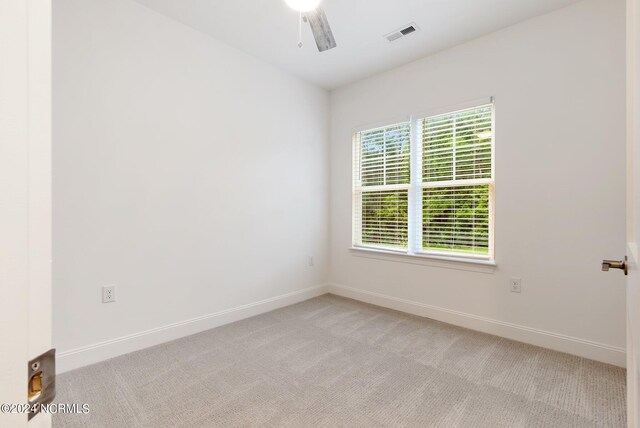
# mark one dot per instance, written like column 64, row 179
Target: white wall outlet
column 310, row 260
column 515, row 285
column 109, row 294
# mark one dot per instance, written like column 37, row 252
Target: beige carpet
column 333, row 362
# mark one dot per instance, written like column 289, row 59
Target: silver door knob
column 615, row 264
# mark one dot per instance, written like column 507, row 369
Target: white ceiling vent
column 402, row 32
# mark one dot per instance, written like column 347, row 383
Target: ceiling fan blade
column 321, row 29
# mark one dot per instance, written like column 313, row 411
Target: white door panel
column 25, row 197
column 633, row 211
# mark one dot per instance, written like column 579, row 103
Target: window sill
column 446, row 262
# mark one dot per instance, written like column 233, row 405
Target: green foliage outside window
column 385, row 218
column 456, row 218
column 456, row 148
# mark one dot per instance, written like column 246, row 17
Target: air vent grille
column 408, row 30
column 401, row 32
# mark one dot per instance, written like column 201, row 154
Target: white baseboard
column 75, row 358
column 558, row 342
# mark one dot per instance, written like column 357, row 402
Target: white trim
column 415, row 173
column 356, row 197
column 380, row 249
column 416, row 187
column 632, row 378
column 456, row 257
column 75, row 358
column 381, row 124
column 25, row 197
column 632, row 252
column 382, row 188
column 428, row 259
column 456, row 183
column 546, row 339
column 436, row 111
column 492, row 186
column 453, row 108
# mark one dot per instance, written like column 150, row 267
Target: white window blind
column 457, row 182
column 426, row 186
column 381, row 185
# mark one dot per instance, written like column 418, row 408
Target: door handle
column 616, row 264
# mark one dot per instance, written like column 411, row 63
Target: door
column 633, row 211
column 25, row 199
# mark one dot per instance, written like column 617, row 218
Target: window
column 425, row 186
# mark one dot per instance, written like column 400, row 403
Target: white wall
column 559, row 83
column 196, row 179
column 191, row 175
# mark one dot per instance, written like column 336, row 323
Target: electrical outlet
column 109, row 294
column 310, row 260
column 515, row 285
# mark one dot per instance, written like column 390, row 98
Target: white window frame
column 359, row 190
column 416, row 187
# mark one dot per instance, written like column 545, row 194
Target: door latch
column 41, row 381
column 616, row 264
